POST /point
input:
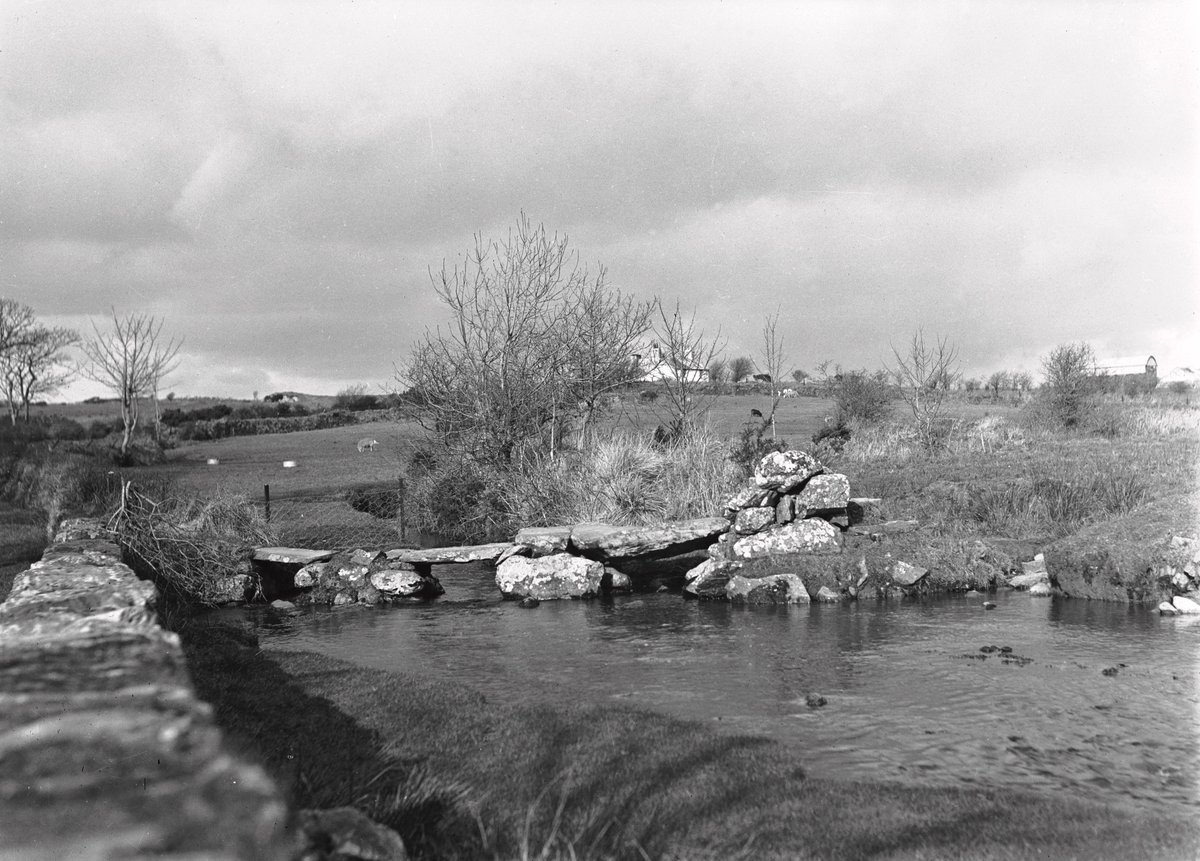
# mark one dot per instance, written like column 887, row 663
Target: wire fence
column 364, row 516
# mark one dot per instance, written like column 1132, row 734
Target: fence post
column 401, row 513
column 267, row 501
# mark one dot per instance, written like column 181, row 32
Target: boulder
column 905, row 575
column 398, row 583
column 1185, row 606
column 751, row 520
column 751, row 496
column 785, row 471
column 1041, row 589
column 799, row 536
column 1028, row 581
column 364, row 557
column 708, row 579
column 785, row 509
column 559, row 575
column 825, row 595
column 828, row 492
column 1166, row 608
column 600, row 540
column 775, row 589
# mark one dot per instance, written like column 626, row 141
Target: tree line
column 130, row 356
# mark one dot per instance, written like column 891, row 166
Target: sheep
column 364, row 444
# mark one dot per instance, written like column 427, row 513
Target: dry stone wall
column 105, row 751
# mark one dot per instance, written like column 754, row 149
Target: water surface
column 910, row 695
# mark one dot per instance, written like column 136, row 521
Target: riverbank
column 463, row 777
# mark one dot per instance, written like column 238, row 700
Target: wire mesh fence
column 366, row 516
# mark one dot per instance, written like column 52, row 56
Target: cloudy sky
column 277, row 179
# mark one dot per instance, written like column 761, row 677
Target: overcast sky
column 276, row 180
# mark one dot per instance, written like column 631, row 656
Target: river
column 1099, row 700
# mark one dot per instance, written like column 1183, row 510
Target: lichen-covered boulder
column 750, row 496
column 775, row 589
column 708, row 579
column 603, row 541
column 785, row 471
column 751, row 520
column 543, row 540
column 799, row 536
column 828, row 492
column 559, row 575
column 349, row 578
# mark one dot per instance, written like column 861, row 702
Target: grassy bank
column 460, row 777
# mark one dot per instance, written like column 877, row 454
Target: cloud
column 276, row 178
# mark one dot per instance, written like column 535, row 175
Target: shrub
column 861, row 397
column 752, row 445
column 355, row 398
column 1069, row 370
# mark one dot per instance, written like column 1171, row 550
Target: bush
column 861, row 397
column 1069, row 370
column 752, row 445
column 356, row 399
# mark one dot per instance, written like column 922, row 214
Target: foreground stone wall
column 104, row 749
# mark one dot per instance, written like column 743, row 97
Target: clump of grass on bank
column 189, row 547
column 998, row 477
column 627, row 479
column 460, row 777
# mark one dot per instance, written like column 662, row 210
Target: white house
column 656, row 367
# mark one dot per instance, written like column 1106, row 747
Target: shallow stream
column 1097, row 700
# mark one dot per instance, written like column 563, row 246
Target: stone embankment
column 104, row 749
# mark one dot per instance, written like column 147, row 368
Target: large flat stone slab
column 622, row 542
column 291, row 555
column 449, row 555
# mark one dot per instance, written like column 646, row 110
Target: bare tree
column 532, row 336
column 131, row 359
column 603, row 331
column 924, row 374
column 16, row 321
column 773, row 360
column 998, row 382
column 1022, row 381
column 688, row 352
column 36, row 365
column 1070, row 372
column 718, row 372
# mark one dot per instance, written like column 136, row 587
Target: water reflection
column 910, row 694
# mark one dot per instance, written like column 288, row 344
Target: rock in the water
column 708, row 579
column 617, row 581
column 344, row 832
column 751, row 520
column 559, row 575
column 402, row 583
column 444, row 555
column 1041, row 590
column 785, row 471
column 815, row 701
column 620, row 542
column 1185, row 606
column 827, row 492
column 1166, row 608
column 825, row 595
column 799, row 536
column 280, row 604
column 906, row 575
column 988, row 605
column 1028, row 581
column 775, row 589
column 528, row 603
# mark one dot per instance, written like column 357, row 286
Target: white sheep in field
column 364, row 444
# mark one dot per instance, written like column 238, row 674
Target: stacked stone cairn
column 789, row 514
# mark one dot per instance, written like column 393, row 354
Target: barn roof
column 1137, row 362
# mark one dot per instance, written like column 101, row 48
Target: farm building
column 1127, row 373
column 656, row 367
